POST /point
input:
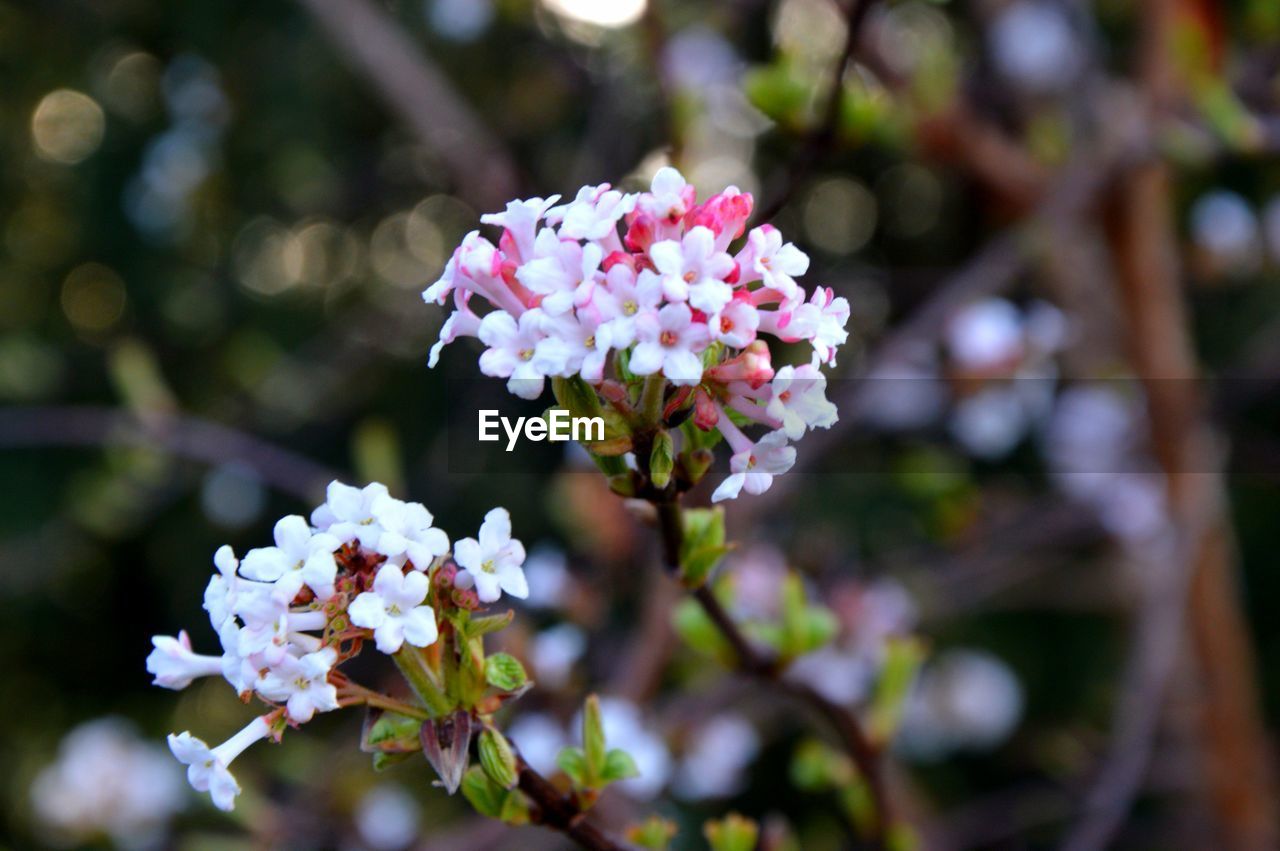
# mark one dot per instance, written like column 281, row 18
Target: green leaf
column 815, row 767
column 593, row 737
column 662, row 460
column 618, row 765
column 482, row 793
column 573, row 762
column 805, row 626
column 382, row 760
column 732, row 833
column 576, row 396
column 390, row 732
column 654, row 832
column 901, row 662
column 703, row 545
column 491, row 800
column 696, row 438
column 696, row 629
column 477, row 627
column 497, row 758
column 503, row 671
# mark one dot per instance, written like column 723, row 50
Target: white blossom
column 493, row 564
column 394, row 609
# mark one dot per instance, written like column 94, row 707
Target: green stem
column 422, row 679
column 651, row 398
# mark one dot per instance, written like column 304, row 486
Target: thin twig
column 824, row 134
column 760, row 664
column 182, row 435
column 411, row 85
column 558, row 812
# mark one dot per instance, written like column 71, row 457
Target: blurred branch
column 184, row 436
column 1233, row 740
column 824, row 134
column 413, row 87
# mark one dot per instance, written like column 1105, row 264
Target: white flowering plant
column 633, row 305
column 650, row 311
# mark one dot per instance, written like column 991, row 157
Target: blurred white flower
column 1224, row 227
column 555, row 651
column 387, row 818
column 547, row 572
column 459, row 20
column 966, row 700
column 1034, row 47
column 539, row 738
column 714, row 766
column 107, row 781
column 985, row 335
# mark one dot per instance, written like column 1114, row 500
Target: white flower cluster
column 572, row 295
column 362, row 568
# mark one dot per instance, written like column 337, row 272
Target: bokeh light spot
column 840, row 215
column 93, row 297
column 67, row 126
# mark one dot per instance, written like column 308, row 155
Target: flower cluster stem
column 422, row 680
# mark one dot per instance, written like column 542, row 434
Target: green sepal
column 654, row 833
column 662, row 459
column 389, row 732
column 902, row 660
column 503, row 671
column 492, row 800
column 618, row 765
column 497, row 758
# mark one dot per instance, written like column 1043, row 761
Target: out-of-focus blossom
column 547, row 570
column 1225, row 231
column 460, row 20
column 107, row 781
column 539, row 738
column 714, row 765
column 966, row 700
column 387, row 818
column 1035, row 48
column 554, row 653
column 844, row 672
column 1094, row 447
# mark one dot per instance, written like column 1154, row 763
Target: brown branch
column 184, row 436
column 555, row 811
column 414, row 88
column 1241, row 786
column 761, row 664
column 824, row 134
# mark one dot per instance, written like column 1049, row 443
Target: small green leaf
column 732, row 833
column 593, row 745
column 482, row 793
column 703, row 545
column 503, row 671
column 390, row 732
column 901, row 662
column 497, row 758
column 618, row 765
column 654, row 832
column 697, row 630
column 662, row 459
column 486, row 624
column 382, row 760
column 573, row 762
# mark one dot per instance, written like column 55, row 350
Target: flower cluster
column 614, row 288
column 365, row 567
